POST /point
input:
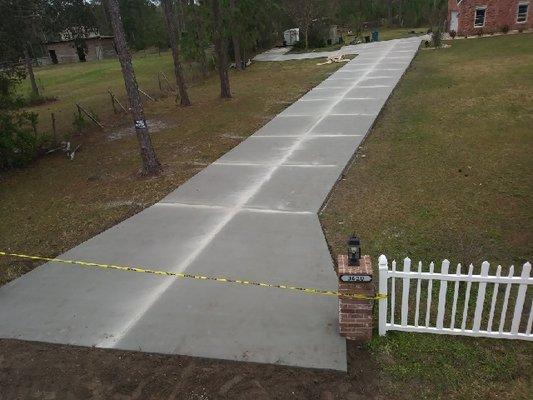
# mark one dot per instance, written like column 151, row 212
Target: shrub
column 453, row 34
column 10, row 78
column 505, row 29
column 18, row 142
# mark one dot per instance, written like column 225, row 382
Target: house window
column 479, row 21
column 521, row 16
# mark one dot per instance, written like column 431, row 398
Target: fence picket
column 520, row 298
column 505, row 301
column 467, row 296
column 405, row 290
column 383, row 303
column 393, row 294
column 418, row 288
column 482, row 288
column 455, row 295
column 442, row 295
column 430, row 290
column 530, row 319
column 494, row 297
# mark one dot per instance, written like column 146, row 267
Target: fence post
column 383, row 303
column 356, row 299
column 113, row 103
column 54, row 130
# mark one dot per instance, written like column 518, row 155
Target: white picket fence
column 444, row 321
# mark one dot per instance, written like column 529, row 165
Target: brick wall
column 355, row 316
column 499, row 13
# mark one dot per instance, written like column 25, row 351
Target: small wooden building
column 88, row 49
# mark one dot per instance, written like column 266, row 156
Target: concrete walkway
column 250, row 215
column 282, row 53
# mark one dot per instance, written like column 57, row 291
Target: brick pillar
column 355, row 316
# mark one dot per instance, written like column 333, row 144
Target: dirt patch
column 30, row 370
column 155, row 125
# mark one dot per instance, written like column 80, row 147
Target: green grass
column 399, row 33
column 87, row 84
column 446, row 173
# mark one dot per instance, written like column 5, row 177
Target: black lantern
column 354, row 250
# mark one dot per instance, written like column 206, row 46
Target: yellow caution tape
column 181, row 275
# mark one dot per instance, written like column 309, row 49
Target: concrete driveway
column 250, row 215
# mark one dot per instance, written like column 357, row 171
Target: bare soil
column 30, row 370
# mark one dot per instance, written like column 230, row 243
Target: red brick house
column 471, row 17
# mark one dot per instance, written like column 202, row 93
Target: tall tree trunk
column 181, row 15
column 306, row 36
column 173, row 34
column 235, row 36
column 389, row 12
column 150, row 163
column 220, row 48
column 199, row 34
column 29, row 70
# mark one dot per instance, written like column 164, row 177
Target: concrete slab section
column 294, row 188
column 325, row 150
column 344, row 125
column 218, row 185
column 290, row 125
column 311, row 107
column 359, row 105
column 324, row 93
column 264, row 150
column 230, row 323
column 334, row 84
column 390, row 72
column 382, row 79
column 379, row 92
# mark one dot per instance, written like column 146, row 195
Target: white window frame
column 522, row 3
column 484, row 16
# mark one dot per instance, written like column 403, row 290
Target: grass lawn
column 399, row 33
column 55, row 204
column 87, row 84
column 446, row 173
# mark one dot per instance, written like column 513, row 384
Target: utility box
column 291, row 36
